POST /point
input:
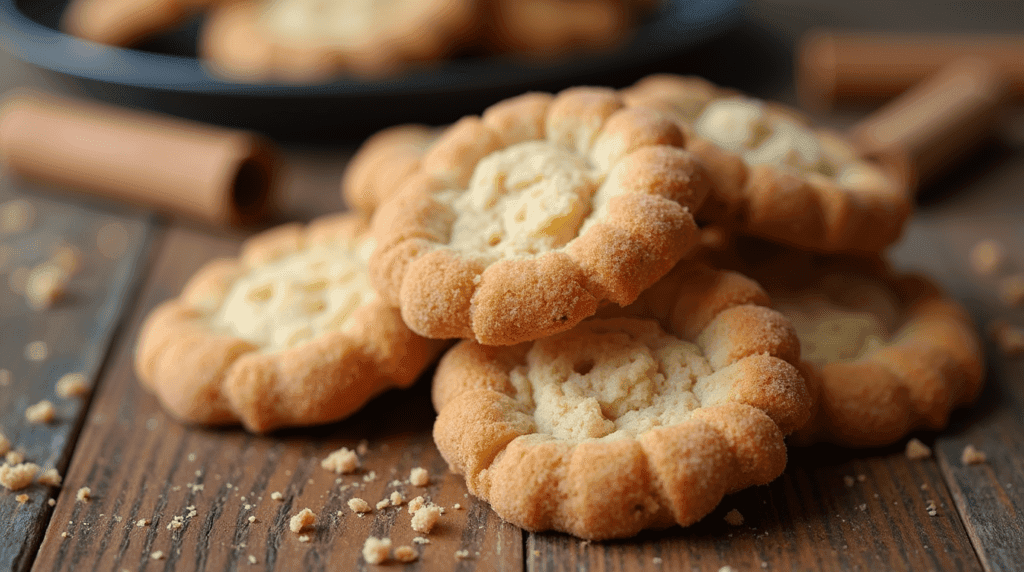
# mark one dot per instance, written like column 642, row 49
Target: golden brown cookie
column 315, row 40
column 883, row 353
column 382, row 162
column 640, row 420
column 520, row 223
column 289, row 334
column 775, row 175
column 554, row 27
column 126, row 22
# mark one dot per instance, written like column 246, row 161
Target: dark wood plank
column 812, row 518
column 77, row 332
column 139, row 464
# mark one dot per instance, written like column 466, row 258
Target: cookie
column 641, row 419
column 387, row 157
column 555, row 27
column 775, row 175
column 315, row 40
column 883, row 353
column 127, row 22
column 520, row 223
column 289, row 334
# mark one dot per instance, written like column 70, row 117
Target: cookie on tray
column 289, row 334
column 382, row 162
column 776, row 175
column 642, row 419
column 521, row 222
column 126, row 22
column 884, row 354
column 555, row 27
column 313, row 41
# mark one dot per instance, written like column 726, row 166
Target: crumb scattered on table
column 419, row 477
column 83, row 494
column 22, row 498
column 396, row 498
column 305, row 518
column 143, row 522
column 987, row 257
column 416, row 504
column 972, row 456
column 462, row 554
column 18, row 476
column 5, row 443
column 158, row 555
column 383, row 504
column 420, row 540
column 16, row 216
column 50, row 478
column 406, row 554
column 36, row 351
column 342, row 461
column 276, row 495
column 14, row 457
column 916, row 450
column 51, row 502
column 849, row 481
column 74, row 384
column 359, row 505
column 425, row 518
column 375, row 550
column 42, row 412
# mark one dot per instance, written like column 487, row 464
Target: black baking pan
column 164, row 74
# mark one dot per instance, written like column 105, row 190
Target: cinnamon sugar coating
column 521, row 222
column 288, row 334
column 627, row 422
column 381, row 163
column 884, row 353
column 775, row 175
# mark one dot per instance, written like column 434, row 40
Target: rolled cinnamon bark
column 218, row 175
column 833, row 66
column 935, row 123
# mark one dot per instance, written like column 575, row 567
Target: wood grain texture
column 77, row 332
column 833, row 509
column 141, row 464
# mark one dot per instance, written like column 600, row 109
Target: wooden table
column 833, row 509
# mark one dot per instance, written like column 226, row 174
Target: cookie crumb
column 14, row 457
column 158, row 555
column 656, row 561
column 734, row 517
column 42, row 412
column 252, row 519
column 142, row 522
column 5, row 443
column 375, row 550
column 1009, row 338
column 64, row 534
column 359, row 505
column 252, row 559
column 457, row 506
column 863, row 507
column 916, row 450
column 416, row 504
column 51, row 502
column 419, row 477
column 176, row 523
column 930, row 508
column 425, row 518
column 420, row 540
column 383, row 504
column 848, row 480
column 370, row 477
column 22, row 498
column 396, row 498
column 83, row 494
column 304, row 519
column 727, row 568
column 16, row 216
column 987, row 257
column 74, row 384
column 18, row 476
column 342, row 461
column 972, row 456
column 45, row 286
column 462, row 554
column 406, row 554
column 276, row 496
column 362, row 447
column 50, row 478
column 303, row 538
column 36, row 351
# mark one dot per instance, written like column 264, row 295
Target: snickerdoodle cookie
column 642, row 419
column 775, row 175
column 289, row 334
column 521, row 222
column 883, row 353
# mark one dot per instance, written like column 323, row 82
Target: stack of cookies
column 653, row 287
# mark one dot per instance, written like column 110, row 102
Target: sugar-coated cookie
column 521, row 222
column 289, row 334
column 382, row 162
column 641, row 419
column 883, row 353
column 775, row 175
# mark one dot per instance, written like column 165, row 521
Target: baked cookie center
column 526, row 199
column 829, row 332
column 298, row 297
column 348, row 23
column 610, row 379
